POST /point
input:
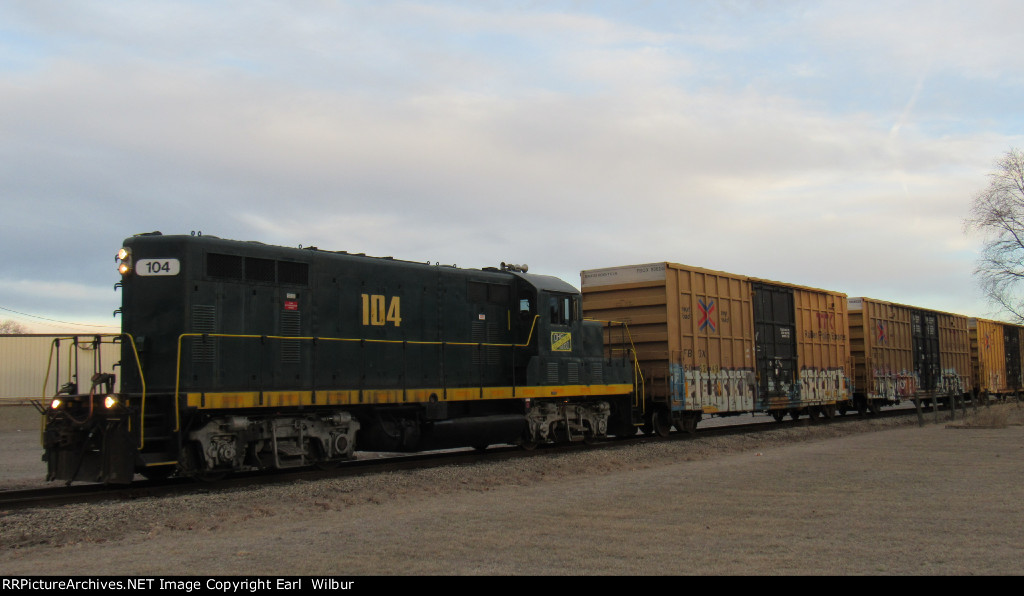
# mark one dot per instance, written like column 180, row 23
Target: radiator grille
column 204, row 320
column 291, row 324
column 552, row 373
column 485, row 332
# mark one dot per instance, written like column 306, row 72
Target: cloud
column 766, row 142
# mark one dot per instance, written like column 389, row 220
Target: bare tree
column 13, row 327
column 997, row 213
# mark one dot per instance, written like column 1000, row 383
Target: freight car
column 245, row 356
column 904, row 353
column 996, row 358
column 716, row 343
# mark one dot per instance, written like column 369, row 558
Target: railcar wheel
column 829, row 411
column 874, row 408
column 794, row 413
column 687, row 424
column 661, row 424
column 778, row 415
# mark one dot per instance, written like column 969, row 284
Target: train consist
column 241, row 356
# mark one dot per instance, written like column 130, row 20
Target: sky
column 828, row 144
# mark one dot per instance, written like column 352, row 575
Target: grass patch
column 994, row 416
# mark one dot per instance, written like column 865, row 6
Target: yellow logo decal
column 561, row 341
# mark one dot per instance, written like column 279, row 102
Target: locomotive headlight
column 124, row 259
column 55, row 404
column 110, row 402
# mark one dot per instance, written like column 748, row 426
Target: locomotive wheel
column 190, row 464
column 322, row 461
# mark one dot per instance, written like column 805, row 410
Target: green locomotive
column 244, row 356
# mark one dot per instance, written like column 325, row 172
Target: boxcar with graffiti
column 996, row 357
column 716, row 343
column 903, row 352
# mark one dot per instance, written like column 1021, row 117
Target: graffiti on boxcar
column 951, row 383
column 778, row 380
column 823, row 384
column 893, row 385
column 718, row 386
column 995, row 380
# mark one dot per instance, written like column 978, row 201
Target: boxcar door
column 1011, row 345
column 775, row 339
column 924, row 330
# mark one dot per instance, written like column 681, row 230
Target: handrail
column 96, row 336
column 638, row 375
column 177, row 373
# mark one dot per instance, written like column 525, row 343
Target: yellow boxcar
column 710, row 342
column 995, row 357
column 904, row 352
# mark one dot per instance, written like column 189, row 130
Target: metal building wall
column 24, row 360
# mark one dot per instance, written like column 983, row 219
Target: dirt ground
column 871, row 497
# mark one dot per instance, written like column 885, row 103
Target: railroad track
column 14, row 500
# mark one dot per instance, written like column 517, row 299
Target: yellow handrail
column 135, row 353
column 638, row 375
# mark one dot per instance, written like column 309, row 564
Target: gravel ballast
column 875, row 496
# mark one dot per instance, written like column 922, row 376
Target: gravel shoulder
column 875, row 496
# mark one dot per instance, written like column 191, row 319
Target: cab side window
column 562, row 309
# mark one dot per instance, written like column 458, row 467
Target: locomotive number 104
column 378, row 311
